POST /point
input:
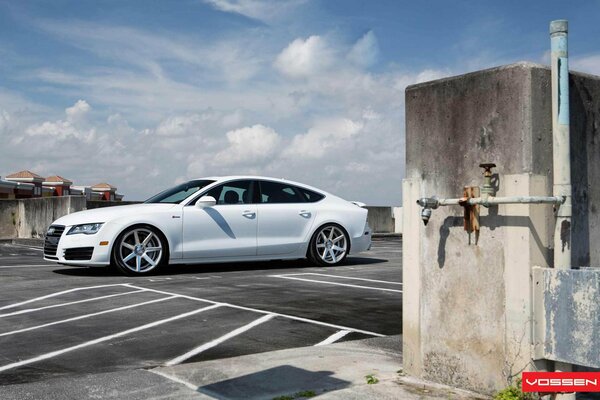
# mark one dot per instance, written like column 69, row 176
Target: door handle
column 304, row 213
column 248, row 214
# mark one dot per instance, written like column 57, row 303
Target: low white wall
column 397, row 214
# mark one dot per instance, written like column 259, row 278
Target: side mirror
column 206, row 201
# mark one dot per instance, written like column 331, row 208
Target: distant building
column 7, row 189
column 80, row 191
column 106, row 190
column 29, row 184
column 60, row 186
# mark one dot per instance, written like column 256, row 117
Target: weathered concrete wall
column 30, row 218
column 9, row 210
column 467, row 307
column 35, row 215
column 381, row 219
column 568, row 328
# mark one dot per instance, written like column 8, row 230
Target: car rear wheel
column 139, row 250
column 329, row 245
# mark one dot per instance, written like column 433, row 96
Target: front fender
column 169, row 224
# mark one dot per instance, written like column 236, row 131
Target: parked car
column 210, row 220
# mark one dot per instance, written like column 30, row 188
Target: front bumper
column 76, row 249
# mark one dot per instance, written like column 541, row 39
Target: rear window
column 310, row 196
column 275, row 192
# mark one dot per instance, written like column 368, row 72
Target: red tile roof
column 103, row 186
column 25, row 175
column 58, row 178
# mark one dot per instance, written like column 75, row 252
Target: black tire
column 326, row 250
column 140, row 250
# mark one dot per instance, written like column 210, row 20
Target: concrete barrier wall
column 385, row 219
column 30, row 218
column 9, row 210
column 35, row 215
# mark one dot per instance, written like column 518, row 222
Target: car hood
column 106, row 214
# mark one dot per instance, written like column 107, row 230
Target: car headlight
column 87, row 229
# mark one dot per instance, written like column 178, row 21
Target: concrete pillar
column 467, row 309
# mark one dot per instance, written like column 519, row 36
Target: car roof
column 256, row 177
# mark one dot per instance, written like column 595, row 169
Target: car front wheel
column 139, row 250
column 329, row 245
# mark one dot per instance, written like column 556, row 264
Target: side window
column 274, row 192
column 237, row 192
column 310, row 196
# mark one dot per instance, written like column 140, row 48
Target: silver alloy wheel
column 331, row 244
column 140, row 250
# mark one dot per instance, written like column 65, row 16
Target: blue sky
column 145, row 94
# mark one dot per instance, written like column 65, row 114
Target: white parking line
column 335, row 283
column 87, row 315
column 68, row 304
column 36, row 248
column 257, row 310
column 216, row 342
column 348, row 277
column 58, row 294
column 333, row 338
column 174, row 379
column 104, row 339
column 27, row 266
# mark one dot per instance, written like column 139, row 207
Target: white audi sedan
column 210, row 220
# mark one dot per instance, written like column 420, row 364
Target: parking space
column 59, row 321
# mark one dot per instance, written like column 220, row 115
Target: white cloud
column 5, row 120
column 249, row 145
column 78, row 111
column 179, row 125
column 230, row 60
column 262, row 10
column 72, row 127
column 589, row 64
column 326, row 135
column 304, row 57
column 365, row 51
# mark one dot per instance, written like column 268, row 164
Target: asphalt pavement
column 61, row 323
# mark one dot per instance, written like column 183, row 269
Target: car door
column 284, row 218
column 227, row 229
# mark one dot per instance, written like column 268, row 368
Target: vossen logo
column 556, row 382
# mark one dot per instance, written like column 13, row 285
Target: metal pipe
column 516, row 200
column 434, row 203
column 561, row 152
column 561, row 142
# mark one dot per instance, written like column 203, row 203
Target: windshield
column 179, row 193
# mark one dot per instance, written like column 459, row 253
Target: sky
column 145, row 94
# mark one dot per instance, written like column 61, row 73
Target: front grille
column 51, row 241
column 79, row 253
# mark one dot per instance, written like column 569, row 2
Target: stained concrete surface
column 468, row 310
